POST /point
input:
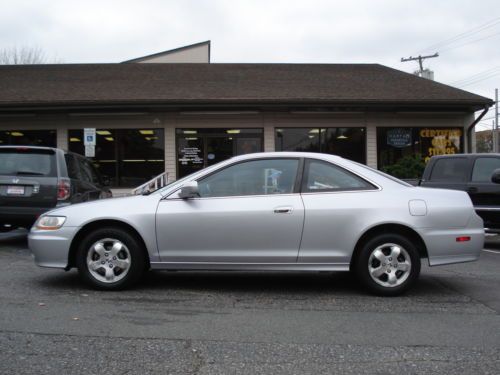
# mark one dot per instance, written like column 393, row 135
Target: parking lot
column 248, row 323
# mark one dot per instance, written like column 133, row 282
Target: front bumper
column 51, row 247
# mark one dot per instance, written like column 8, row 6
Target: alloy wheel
column 108, row 260
column 389, row 265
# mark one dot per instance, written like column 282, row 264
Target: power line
column 463, row 35
column 470, row 42
column 480, row 79
column 476, row 76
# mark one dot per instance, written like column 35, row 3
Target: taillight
column 63, row 189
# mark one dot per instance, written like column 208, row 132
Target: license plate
column 15, row 190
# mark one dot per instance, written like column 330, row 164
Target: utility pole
column 420, row 60
column 495, row 149
column 493, row 137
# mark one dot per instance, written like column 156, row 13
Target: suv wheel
column 388, row 264
column 110, row 259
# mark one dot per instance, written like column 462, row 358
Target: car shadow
column 15, row 236
column 285, row 284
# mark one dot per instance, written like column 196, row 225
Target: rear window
column 450, row 170
column 27, row 162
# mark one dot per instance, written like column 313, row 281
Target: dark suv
column 34, row 180
column 471, row 173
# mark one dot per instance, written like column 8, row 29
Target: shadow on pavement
column 13, row 236
column 286, row 284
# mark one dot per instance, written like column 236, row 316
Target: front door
column 201, row 148
column 249, row 212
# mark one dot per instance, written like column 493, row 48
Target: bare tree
column 22, row 55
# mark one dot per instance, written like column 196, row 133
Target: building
column 176, row 112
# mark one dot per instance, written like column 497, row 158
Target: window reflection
column 129, row 157
column 350, row 143
column 47, row 138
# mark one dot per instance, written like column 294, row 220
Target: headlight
column 50, row 222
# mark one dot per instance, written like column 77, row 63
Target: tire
column 110, row 259
column 388, row 264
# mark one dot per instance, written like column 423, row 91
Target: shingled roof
column 223, row 84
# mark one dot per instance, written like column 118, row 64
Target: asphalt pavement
column 247, row 323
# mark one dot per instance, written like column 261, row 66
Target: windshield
column 26, row 162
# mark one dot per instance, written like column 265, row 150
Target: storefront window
column 47, row 138
column 200, row 148
column 393, row 144
column 350, row 143
column 129, row 157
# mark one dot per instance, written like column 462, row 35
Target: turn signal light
column 463, row 239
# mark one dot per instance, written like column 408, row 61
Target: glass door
column 218, row 149
column 200, row 148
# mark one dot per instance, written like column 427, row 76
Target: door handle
column 283, row 210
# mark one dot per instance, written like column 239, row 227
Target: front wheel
column 110, row 259
column 388, row 264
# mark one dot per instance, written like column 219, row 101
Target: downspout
column 471, row 126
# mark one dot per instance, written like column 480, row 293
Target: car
column 471, row 173
column 34, row 180
column 279, row 211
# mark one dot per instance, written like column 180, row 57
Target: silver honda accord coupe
column 285, row 211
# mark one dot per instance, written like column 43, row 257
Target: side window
column 483, row 169
column 322, row 176
column 88, row 172
column 450, row 170
column 258, row 177
column 72, row 166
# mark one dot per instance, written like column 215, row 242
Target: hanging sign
column 399, row 137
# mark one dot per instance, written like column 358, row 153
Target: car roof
column 32, row 147
column 288, row 154
column 465, row 155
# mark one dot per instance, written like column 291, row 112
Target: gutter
column 472, row 126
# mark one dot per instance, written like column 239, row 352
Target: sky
column 465, row 33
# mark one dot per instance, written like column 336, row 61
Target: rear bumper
column 443, row 248
column 51, row 248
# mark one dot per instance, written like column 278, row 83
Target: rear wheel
column 110, row 259
column 388, row 264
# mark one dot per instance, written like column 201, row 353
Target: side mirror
column 495, row 177
column 189, row 190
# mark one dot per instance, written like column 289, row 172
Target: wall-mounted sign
column 399, row 137
column 89, row 137
column 90, row 151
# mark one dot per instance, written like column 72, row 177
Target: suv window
column 72, row 166
column 89, row 174
column 24, row 161
column 257, row 177
column 323, row 176
column 483, row 169
column 450, row 170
